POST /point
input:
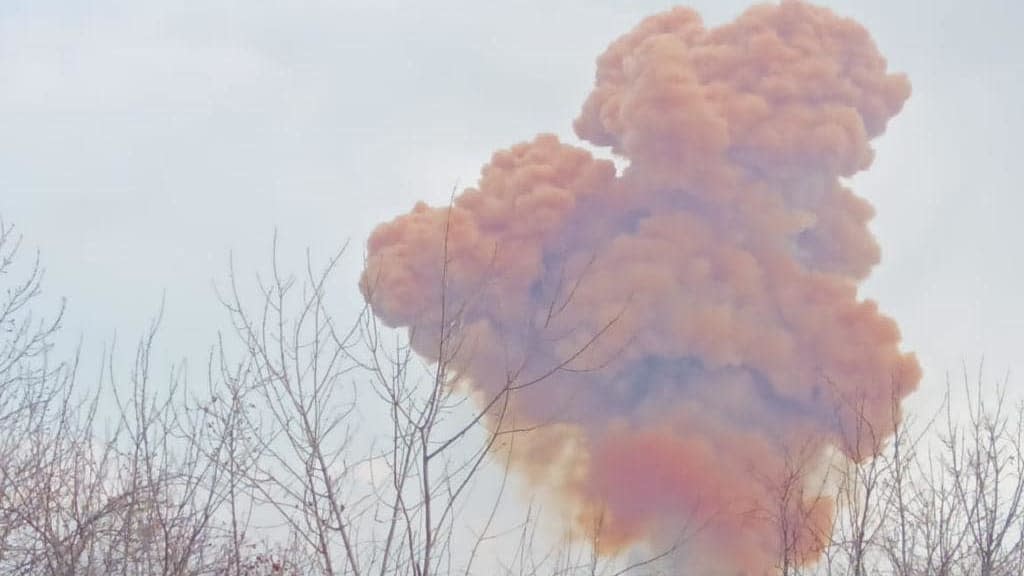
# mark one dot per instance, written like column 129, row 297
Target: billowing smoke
column 683, row 329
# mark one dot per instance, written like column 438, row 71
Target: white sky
column 141, row 141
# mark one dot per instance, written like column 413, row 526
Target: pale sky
column 142, row 141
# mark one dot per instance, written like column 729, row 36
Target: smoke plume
column 684, row 329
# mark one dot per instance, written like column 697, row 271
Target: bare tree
column 795, row 494
column 139, row 499
column 864, row 474
column 986, row 467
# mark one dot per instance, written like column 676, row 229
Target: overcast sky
column 142, row 142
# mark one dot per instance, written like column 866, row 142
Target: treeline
column 316, row 446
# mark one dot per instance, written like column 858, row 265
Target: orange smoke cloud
column 701, row 302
